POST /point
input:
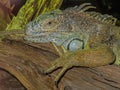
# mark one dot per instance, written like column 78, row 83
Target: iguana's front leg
column 93, row 57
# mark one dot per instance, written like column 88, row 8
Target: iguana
column 87, row 38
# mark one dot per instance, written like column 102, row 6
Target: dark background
column 104, row 6
column 111, row 7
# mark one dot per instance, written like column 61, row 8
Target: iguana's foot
column 63, row 62
column 88, row 58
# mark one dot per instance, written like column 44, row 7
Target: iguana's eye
column 75, row 44
column 49, row 23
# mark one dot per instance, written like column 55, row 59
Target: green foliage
column 5, row 13
column 31, row 10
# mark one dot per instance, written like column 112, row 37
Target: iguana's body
column 92, row 38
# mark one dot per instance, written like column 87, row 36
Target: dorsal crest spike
column 85, row 6
column 79, row 9
column 105, row 18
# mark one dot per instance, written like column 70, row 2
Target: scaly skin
column 92, row 57
column 87, row 39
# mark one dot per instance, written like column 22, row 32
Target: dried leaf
column 5, row 13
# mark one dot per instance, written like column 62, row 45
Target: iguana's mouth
column 43, row 36
column 36, row 39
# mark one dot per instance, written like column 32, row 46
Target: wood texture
column 25, row 63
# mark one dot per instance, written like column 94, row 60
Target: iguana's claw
column 49, row 70
column 56, row 84
column 62, row 62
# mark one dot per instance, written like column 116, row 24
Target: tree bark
column 22, row 64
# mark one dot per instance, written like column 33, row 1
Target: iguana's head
column 53, row 27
